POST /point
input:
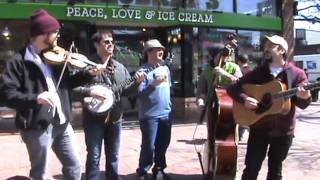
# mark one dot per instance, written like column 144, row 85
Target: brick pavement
column 303, row 161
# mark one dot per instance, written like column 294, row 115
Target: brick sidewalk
column 182, row 160
column 303, row 161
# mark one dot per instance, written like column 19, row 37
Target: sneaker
column 245, row 135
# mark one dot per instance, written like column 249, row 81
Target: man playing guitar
column 274, row 132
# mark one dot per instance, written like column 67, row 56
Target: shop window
column 12, row 38
column 204, row 47
column 174, row 48
column 159, row 3
column 210, row 5
column 126, row 2
column 257, row 7
column 129, row 47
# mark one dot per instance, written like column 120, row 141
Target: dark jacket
column 21, row 83
column 120, row 75
column 273, row 125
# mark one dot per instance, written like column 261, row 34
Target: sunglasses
column 107, row 42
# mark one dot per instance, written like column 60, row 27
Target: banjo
column 102, row 107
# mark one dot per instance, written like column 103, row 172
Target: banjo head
column 97, row 106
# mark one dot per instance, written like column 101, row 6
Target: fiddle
column 57, row 56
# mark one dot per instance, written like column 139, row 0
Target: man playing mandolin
column 273, row 132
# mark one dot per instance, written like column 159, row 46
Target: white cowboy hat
column 153, row 43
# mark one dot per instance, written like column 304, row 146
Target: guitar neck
column 291, row 92
column 134, row 78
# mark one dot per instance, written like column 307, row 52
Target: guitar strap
column 289, row 77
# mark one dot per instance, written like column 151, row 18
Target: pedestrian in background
column 243, row 62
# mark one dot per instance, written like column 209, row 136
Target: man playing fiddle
column 43, row 109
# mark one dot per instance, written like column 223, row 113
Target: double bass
column 221, row 148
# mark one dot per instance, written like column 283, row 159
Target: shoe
column 245, row 135
column 159, row 175
column 143, row 177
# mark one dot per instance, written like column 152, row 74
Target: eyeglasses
column 107, row 42
column 57, row 32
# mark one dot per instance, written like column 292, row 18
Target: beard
column 267, row 57
column 50, row 43
column 268, row 60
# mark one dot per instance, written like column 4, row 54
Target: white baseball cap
column 275, row 39
column 153, row 43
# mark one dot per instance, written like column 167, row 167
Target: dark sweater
column 273, row 125
column 21, row 83
column 120, row 75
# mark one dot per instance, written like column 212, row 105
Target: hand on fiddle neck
column 100, row 69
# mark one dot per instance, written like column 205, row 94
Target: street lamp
column 6, row 33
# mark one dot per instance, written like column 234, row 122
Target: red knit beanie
column 41, row 23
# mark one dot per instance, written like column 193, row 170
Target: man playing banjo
column 105, row 125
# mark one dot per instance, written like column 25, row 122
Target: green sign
column 150, row 15
column 141, row 16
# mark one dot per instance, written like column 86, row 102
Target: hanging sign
column 139, row 14
column 142, row 16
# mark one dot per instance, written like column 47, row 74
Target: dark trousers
column 97, row 132
column 256, row 152
column 156, row 135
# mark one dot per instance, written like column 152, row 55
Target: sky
column 309, row 12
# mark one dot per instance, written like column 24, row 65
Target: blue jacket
column 155, row 101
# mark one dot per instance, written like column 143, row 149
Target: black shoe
column 143, row 177
column 159, row 175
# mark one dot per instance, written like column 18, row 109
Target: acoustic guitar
column 273, row 97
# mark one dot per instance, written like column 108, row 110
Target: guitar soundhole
column 264, row 104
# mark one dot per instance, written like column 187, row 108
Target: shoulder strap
column 289, row 77
column 22, row 52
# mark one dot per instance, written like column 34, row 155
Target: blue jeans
column 256, row 153
column 62, row 141
column 97, row 132
column 156, row 135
